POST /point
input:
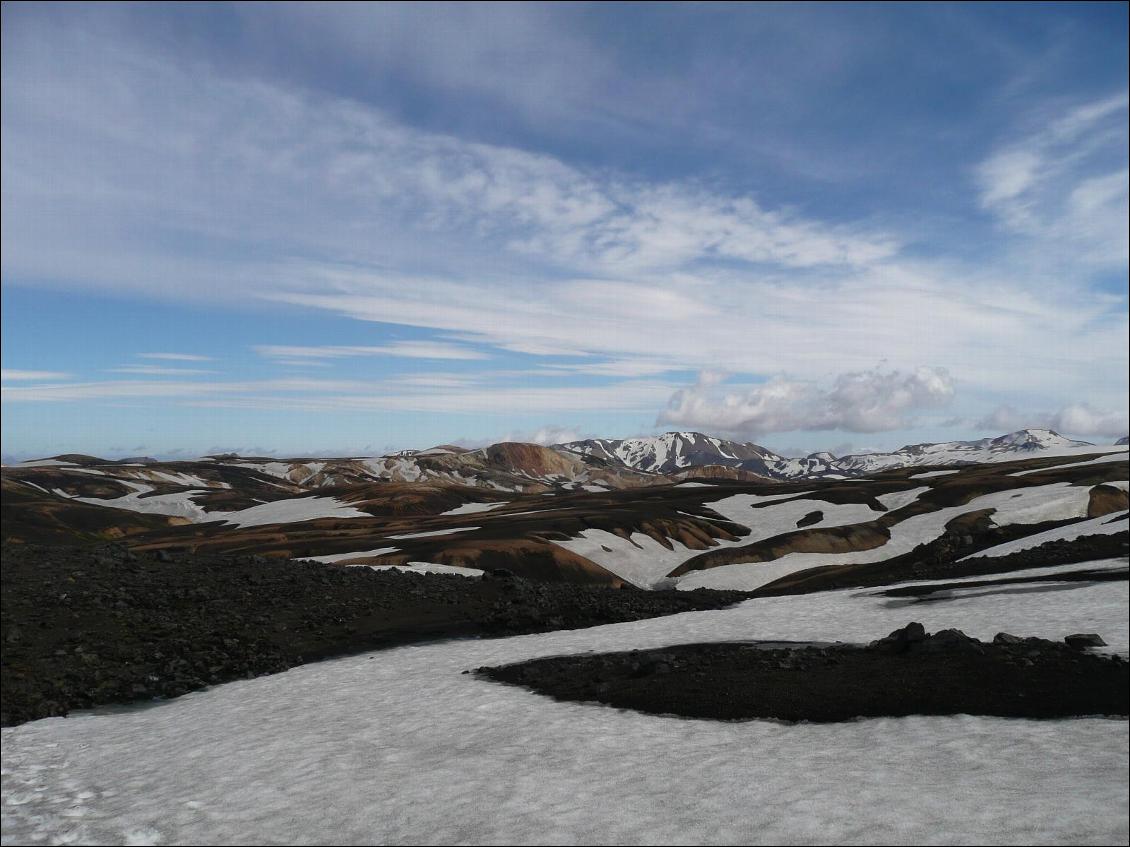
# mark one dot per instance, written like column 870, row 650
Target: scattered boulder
column 947, row 639
column 900, row 640
column 1106, row 500
column 1082, row 640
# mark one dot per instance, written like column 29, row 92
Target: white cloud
column 867, row 401
column 549, row 435
column 421, row 393
column 1073, row 419
column 1067, row 183
column 157, row 370
column 87, row 134
column 31, row 376
column 403, row 349
column 175, row 357
column 976, row 324
column 546, row 436
column 117, row 162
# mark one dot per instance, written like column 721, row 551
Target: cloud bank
column 1077, row 419
column 865, row 401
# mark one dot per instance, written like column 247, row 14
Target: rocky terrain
column 103, row 625
column 909, row 672
column 711, row 525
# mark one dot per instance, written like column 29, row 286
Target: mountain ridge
column 673, row 452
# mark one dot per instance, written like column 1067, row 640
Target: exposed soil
column 907, row 673
column 941, row 559
column 88, row 626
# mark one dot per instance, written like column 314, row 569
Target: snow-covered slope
column 670, row 452
column 676, row 451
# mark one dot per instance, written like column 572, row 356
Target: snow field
column 401, row 747
column 181, row 504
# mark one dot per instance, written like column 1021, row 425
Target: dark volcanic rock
column 88, row 626
column 909, row 672
column 1084, row 639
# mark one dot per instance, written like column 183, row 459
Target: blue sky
column 337, row 229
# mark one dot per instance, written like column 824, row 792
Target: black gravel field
column 907, row 673
column 83, row 627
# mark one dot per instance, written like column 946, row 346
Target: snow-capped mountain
column 673, row 452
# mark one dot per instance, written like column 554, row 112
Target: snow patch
column 1113, row 457
column 345, row 557
column 898, row 499
column 474, row 508
column 432, row 532
column 289, row 511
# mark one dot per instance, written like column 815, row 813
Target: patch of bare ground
column 83, row 627
column 907, row 673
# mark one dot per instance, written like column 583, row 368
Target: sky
column 350, row 229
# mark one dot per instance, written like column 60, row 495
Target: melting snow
column 473, row 508
column 897, row 499
column 931, row 474
column 1058, row 501
column 290, row 511
column 344, row 557
column 1113, row 457
column 643, row 561
column 185, row 479
column 1105, row 525
column 402, row 747
column 432, row 532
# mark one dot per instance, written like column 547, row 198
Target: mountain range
column 677, row 452
column 592, row 464
column 681, row 509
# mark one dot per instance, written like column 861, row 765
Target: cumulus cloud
column 864, row 401
column 548, row 435
column 1074, row 419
